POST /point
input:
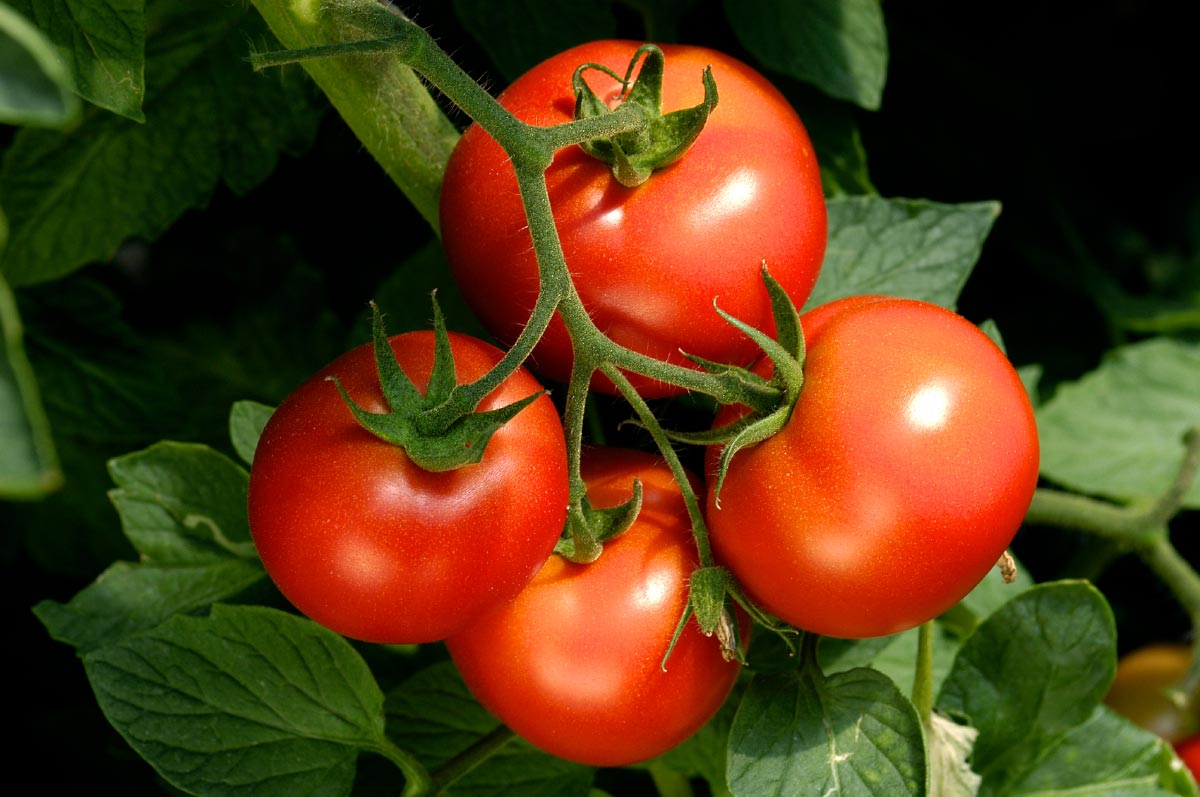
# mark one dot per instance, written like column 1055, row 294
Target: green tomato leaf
column 852, row 733
column 183, row 503
column 209, row 119
column 102, row 43
column 99, row 377
column 271, row 329
column 840, row 46
column 128, row 598
column 835, row 654
column 1117, row 431
column 1104, row 755
column 246, row 701
column 246, row 422
column 838, row 143
column 660, row 18
column 521, row 33
column 434, row 716
column 35, row 86
column 28, row 462
column 1031, row 673
column 901, row 247
column 183, row 506
column 988, row 596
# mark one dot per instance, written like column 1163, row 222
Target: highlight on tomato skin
column 366, row 543
column 900, row 479
column 649, row 261
column 574, row 663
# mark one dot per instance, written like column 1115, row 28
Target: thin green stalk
column 690, row 499
column 922, row 690
column 417, row 782
column 398, row 45
column 483, row 749
column 554, row 285
column 1168, row 504
column 587, row 547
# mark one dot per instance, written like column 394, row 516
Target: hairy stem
column 695, row 513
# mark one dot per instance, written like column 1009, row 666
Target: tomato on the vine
column 900, row 478
column 648, row 261
column 574, row 664
column 1139, row 691
column 364, row 541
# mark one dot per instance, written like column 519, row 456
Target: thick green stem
column 1052, row 507
column 1141, row 529
column 356, row 53
column 1175, row 571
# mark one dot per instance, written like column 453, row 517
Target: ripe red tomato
column 573, row 664
column 368, row 544
column 647, row 261
column 1139, row 690
column 900, row 478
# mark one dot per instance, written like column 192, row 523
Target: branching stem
column 1140, row 528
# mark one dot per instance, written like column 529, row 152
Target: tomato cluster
column 900, row 476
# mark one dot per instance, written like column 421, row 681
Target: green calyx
column 663, row 139
column 589, row 528
column 786, row 352
column 707, row 590
column 461, row 441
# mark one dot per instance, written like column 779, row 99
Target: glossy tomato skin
column 366, row 543
column 647, row 261
column 899, row 480
column 573, row 664
column 1139, row 690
